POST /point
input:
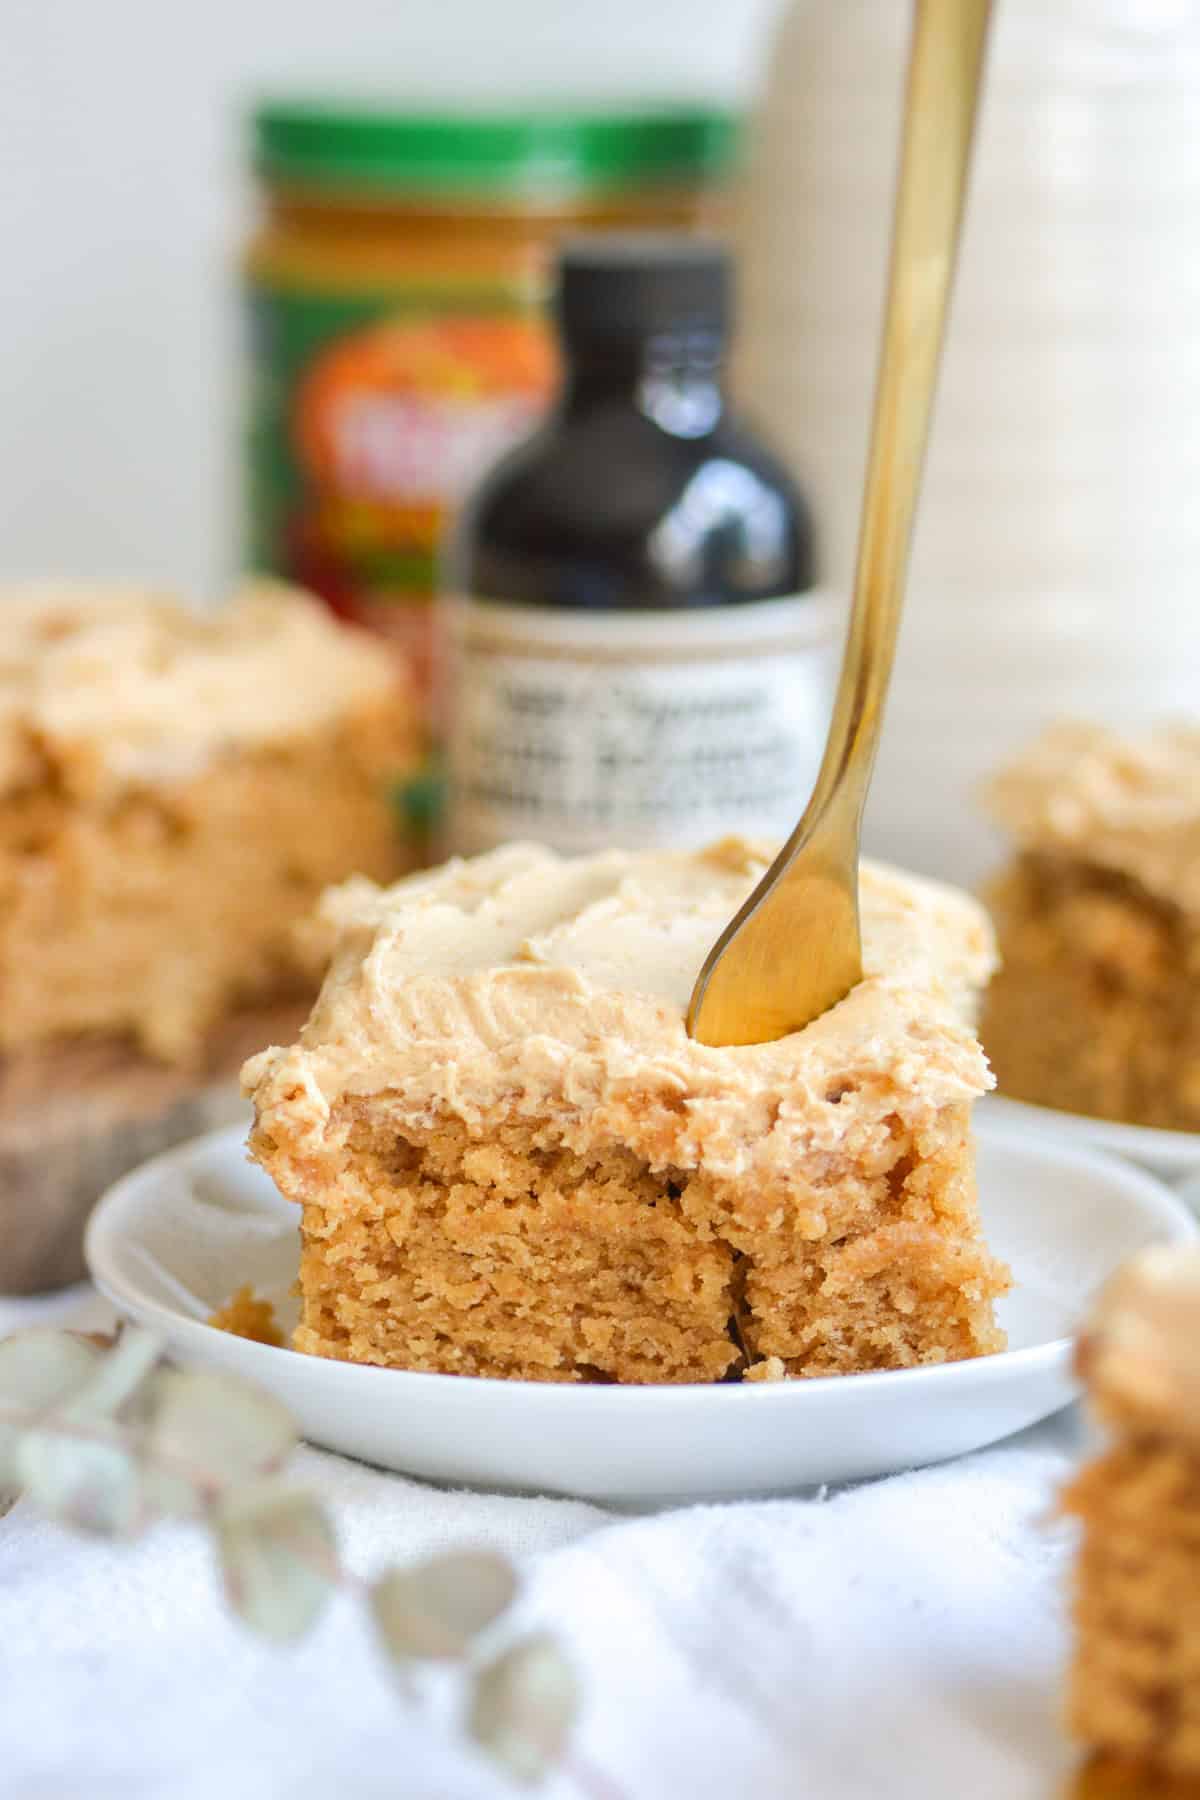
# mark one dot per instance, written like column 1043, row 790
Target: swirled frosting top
column 521, row 978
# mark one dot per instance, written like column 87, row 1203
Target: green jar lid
column 532, row 153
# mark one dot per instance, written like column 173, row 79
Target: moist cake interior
column 1133, row 1691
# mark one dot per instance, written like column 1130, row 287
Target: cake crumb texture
column 1134, row 1691
column 1111, row 1777
column 248, row 1315
column 1134, row 1687
column 512, row 1161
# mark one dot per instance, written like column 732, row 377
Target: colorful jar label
column 370, row 417
column 634, row 729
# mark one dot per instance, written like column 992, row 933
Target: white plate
column 172, row 1241
column 1169, row 1154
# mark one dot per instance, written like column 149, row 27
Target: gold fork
column 795, row 947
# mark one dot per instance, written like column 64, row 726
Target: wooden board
column 73, row 1119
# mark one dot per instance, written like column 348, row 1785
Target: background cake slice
column 175, row 792
column 513, row 1161
column 1096, row 1008
column 1135, row 1680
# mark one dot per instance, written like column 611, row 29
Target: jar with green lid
column 398, row 338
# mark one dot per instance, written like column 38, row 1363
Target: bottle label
column 586, row 731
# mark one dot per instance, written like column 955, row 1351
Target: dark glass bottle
column 636, row 655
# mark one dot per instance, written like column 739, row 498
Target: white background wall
column 123, row 201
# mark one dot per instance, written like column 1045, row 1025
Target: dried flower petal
column 278, row 1559
column 90, row 1486
column 523, row 1707
column 436, row 1608
column 169, row 1495
column 116, row 1376
column 38, row 1370
column 40, row 1366
column 93, row 1486
column 224, row 1429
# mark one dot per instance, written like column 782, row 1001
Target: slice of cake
column 513, row 1161
column 175, row 792
column 1096, row 1008
column 1135, row 1682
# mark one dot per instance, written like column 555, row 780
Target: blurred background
column 1059, row 540
column 126, row 198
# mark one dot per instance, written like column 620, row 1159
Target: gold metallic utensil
column 795, row 949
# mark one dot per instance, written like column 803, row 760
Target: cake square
column 1096, row 1008
column 176, row 790
column 512, row 1161
column 1134, row 1692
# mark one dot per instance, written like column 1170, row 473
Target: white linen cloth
column 901, row 1639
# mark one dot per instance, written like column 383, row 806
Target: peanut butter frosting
column 1140, row 1352
column 118, row 686
column 523, row 981
column 1129, row 804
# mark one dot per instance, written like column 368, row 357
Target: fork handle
column 795, row 948
column 944, row 74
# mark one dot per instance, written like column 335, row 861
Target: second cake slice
column 513, row 1161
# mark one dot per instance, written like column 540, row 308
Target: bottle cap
column 626, row 287
column 526, row 156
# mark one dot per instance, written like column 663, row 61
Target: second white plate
column 172, row 1241
column 1169, row 1154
